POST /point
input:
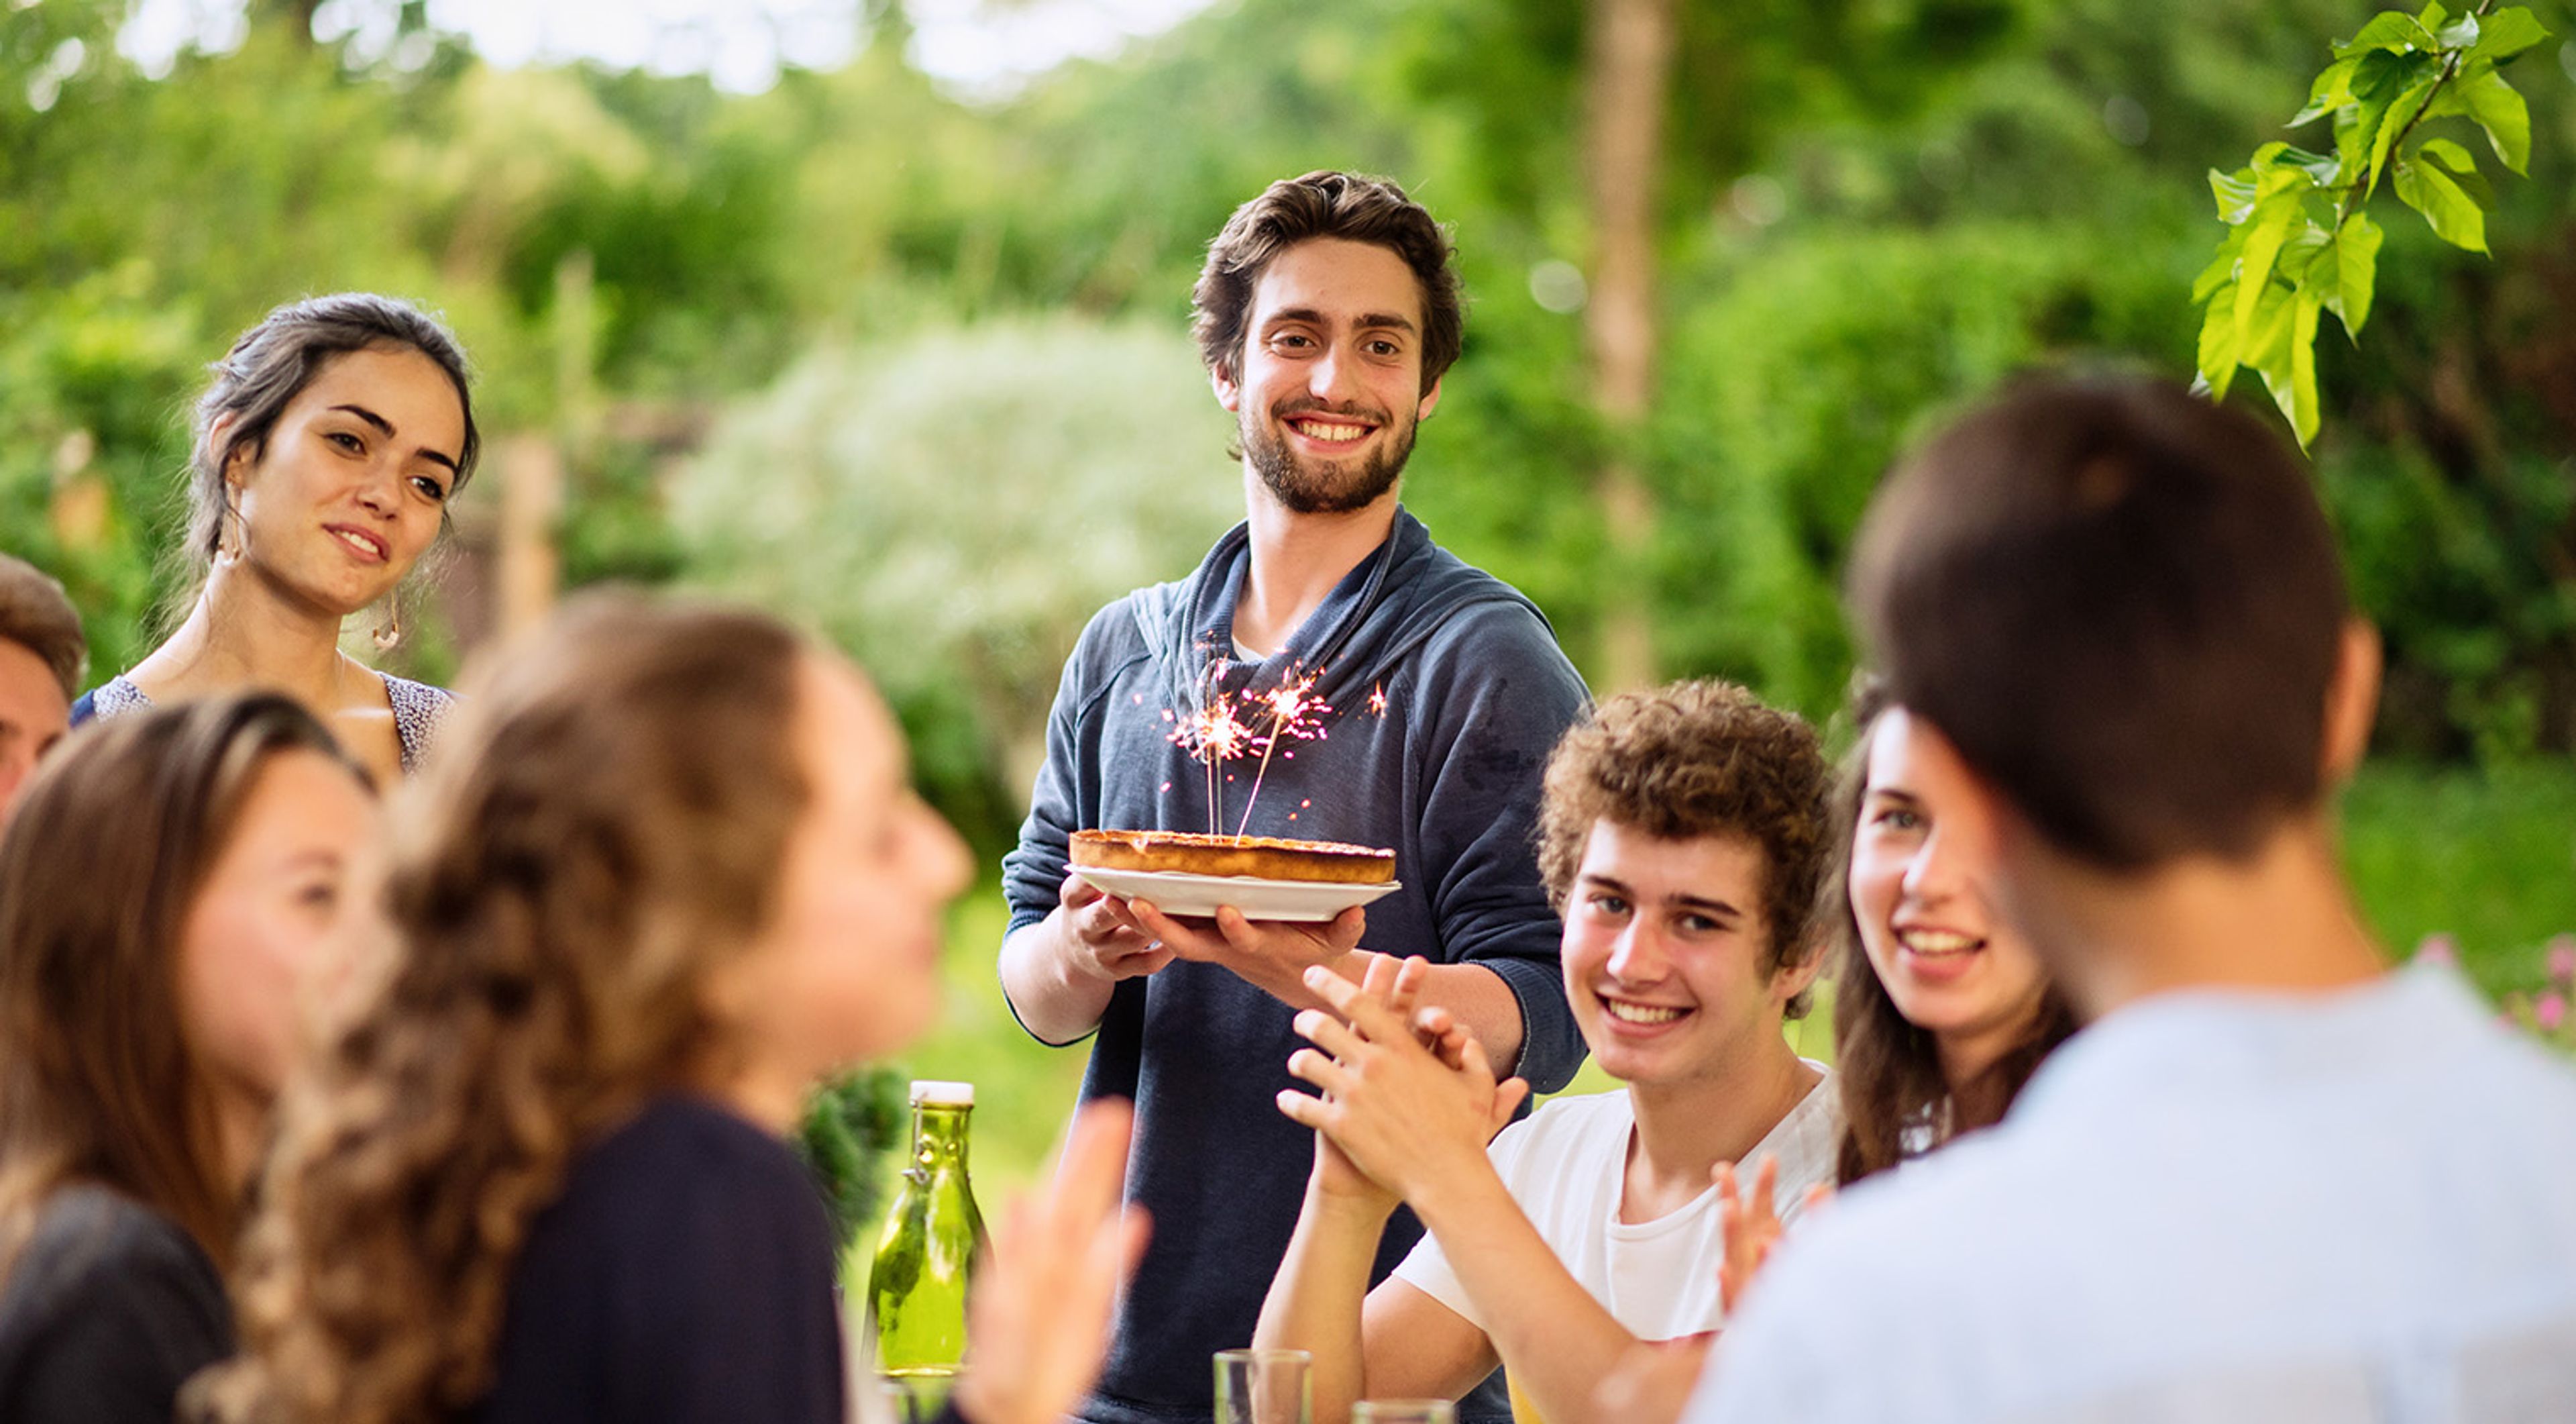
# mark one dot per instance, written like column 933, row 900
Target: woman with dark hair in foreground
column 168, row 887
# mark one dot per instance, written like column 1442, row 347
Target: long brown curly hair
column 1889, row 1070
column 103, row 862
column 604, row 827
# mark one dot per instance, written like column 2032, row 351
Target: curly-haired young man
column 1684, row 835
column 1327, row 315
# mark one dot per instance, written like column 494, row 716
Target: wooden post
column 1628, row 76
column 531, row 498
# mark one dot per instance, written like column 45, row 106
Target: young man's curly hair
column 1691, row 760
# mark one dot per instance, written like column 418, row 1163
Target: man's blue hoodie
column 1476, row 692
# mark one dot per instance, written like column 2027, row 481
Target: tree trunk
column 1628, row 74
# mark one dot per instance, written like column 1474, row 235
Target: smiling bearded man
column 1327, row 315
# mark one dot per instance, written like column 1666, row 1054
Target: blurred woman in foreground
column 666, row 874
column 326, row 451
column 168, row 887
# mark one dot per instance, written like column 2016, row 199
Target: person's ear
column 1430, row 398
column 238, row 456
column 1228, row 393
column 1796, row 976
column 2352, row 701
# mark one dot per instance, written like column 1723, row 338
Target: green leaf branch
column 2300, row 240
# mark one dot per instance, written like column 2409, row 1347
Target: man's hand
column 1270, row 954
column 1038, row 1321
column 1102, row 937
column 1391, row 1105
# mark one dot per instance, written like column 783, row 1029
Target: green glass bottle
column 926, row 1258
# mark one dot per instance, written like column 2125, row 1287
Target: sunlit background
column 876, row 313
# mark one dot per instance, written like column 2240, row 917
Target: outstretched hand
column 1749, row 1226
column 1405, row 1102
column 1272, row 955
column 1038, row 1320
column 1102, row 935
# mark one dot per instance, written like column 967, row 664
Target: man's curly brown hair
column 1691, row 760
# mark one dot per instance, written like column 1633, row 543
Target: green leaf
column 2282, row 349
column 2430, row 18
column 2390, row 30
column 2499, row 110
column 2356, row 258
column 2235, row 193
column 2221, row 268
column 2377, row 82
column 2319, row 167
column 2460, row 35
column 2272, row 222
column 2307, row 239
column 2507, row 33
column 2455, row 217
column 2218, row 344
column 2331, row 91
column 2401, row 113
column 2455, row 162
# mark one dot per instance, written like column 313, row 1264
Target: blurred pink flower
column 2562, row 959
column 2549, row 1010
column 2438, row 949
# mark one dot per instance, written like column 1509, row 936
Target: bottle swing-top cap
column 933, row 1093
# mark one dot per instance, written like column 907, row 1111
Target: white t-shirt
column 1566, row 1165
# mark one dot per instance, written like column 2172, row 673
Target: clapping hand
column 1399, row 987
column 1403, row 1101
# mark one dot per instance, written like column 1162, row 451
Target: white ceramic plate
column 1178, row 893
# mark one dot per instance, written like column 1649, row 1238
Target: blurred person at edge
column 2271, row 1178
column 668, row 872
column 42, row 655
column 177, row 883
column 1327, row 314
column 1683, row 834
column 326, row 451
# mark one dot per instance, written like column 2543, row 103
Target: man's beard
column 1306, row 489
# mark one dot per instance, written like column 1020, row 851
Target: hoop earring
column 228, row 534
column 390, row 632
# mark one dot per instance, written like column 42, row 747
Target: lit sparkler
column 1223, row 726
column 1295, row 712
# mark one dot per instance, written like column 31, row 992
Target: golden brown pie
column 1260, row 857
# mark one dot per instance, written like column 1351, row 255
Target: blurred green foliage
column 1871, row 212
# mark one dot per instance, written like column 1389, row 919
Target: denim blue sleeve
column 1503, row 693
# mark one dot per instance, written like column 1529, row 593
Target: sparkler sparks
column 1223, row 727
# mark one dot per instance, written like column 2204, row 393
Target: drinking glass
column 1264, row 1387
column 915, row 1396
column 1404, row 1411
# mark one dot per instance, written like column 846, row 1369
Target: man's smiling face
column 1330, row 386
column 1667, row 958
